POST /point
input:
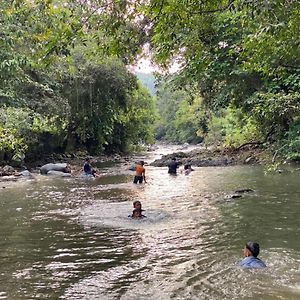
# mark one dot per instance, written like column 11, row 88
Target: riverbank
column 207, row 157
column 197, row 156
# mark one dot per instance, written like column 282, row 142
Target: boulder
column 60, row 167
column 26, row 173
column 8, row 170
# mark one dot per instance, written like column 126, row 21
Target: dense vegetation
column 64, row 84
column 243, row 59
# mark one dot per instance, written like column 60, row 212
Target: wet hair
column 253, row 248
column 186, row 167
column 142, row 162
column 136, row 202
column 137, row 211
column 173, row 158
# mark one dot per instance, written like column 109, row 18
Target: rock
column 132, row 167
column 244, row 191
column 249, row 160
column 58, row 173
column 184, row 146
column 26, row 173
column 61, row 167
column 8, row 170
column 233, row 196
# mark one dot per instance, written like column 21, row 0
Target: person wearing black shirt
column 173, row 165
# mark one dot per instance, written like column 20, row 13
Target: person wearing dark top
column 251, row 261
column 173, row 165
column 137, row 211
column 88, row 169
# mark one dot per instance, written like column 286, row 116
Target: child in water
column 188, row 169
column 137, row 211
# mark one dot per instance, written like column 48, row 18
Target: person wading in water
column 140, row 173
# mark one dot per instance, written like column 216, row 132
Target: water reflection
column 72, row 239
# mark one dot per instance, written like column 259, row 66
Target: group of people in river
column 140, row 171
column 251, row 249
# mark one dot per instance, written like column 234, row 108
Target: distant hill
column 148, row 80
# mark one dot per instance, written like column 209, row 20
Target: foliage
column 232, row 128
column 108, row 109
column 22, row 130
column 58, row 79
column 60, row 62
column 291, row 144
column 181, row 118
column 241, row 54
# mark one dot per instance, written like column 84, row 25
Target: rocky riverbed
column 198, row 157
column 202, row 157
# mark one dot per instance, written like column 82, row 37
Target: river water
column 68, row 238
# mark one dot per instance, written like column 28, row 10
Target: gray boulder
column 60, row 167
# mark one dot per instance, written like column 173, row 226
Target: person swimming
column 187, row 169
column 137, row 210
column 251, row 261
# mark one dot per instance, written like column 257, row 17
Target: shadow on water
column 72, row 239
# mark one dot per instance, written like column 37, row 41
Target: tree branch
column 230, row 3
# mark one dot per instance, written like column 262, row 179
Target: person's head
column 186, row 167
column 136, row 213
column 137, row 204
column 142, row 162
column 251, row 249
column 87, row 159
column 173, row 158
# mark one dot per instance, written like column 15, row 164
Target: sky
column 146, row 66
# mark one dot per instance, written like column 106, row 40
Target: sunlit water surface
column 72, row 238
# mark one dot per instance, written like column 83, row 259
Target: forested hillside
column 65, row 85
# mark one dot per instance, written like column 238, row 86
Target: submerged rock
column 233, row 196
column 25, row 173
column 58, row 173
column 244, row 191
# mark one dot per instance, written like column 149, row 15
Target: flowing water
column 68, row 238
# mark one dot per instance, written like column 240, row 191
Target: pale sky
column 145, row 66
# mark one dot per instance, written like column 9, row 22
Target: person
column 88, row 170
column 188, row 169
column 251, row 261
column 137, row 210
column 173, row 165
column 139, row 173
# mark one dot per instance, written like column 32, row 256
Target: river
column 68, row 238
